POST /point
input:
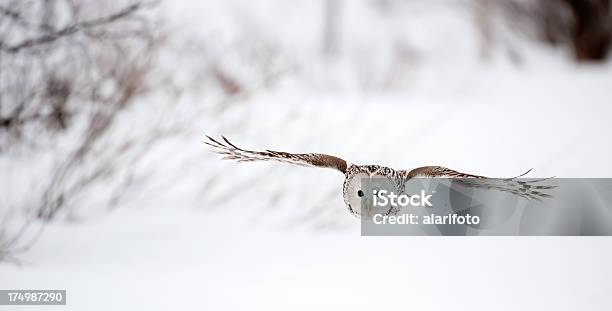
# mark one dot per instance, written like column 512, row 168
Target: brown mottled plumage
column 231, row 152
column 526, row 189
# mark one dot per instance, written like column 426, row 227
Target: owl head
column 362, row 182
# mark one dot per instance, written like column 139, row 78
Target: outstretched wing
column 437, row 171
column 527, row 188
column 231, row 152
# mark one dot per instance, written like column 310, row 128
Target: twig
column 16, row 16
column 69, row 30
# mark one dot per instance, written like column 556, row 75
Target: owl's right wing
column 231, row 152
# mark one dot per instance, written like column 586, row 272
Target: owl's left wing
column 439, row 172
column 231, row 152
column 527, row 188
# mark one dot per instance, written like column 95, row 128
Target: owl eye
column 360, row 193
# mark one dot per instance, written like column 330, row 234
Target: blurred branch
column 90, row 70
column 582, row 25
column 483, row 20
column 331, row 31
column 66, row 31
column 16, row 16
column 13, row 244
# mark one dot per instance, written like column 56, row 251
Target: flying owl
column 353, row 190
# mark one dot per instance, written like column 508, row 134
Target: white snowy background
column 407, row 88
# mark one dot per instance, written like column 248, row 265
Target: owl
column 355, row 176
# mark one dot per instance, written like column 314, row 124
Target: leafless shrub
column 57, row 55
column 582, row 26
column 591, row 29
column 68, row 66
column 16, row 239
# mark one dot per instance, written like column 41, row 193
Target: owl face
column 360, row 184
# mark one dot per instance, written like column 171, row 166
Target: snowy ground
column 184, row 259
column 192, row 232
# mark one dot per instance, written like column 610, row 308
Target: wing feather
column 528, row 188
column 229, row 151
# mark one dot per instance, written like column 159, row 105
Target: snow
column 193, row 232
column 184, row 259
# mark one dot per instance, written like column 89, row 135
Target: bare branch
column 68, row 30
column 16, row 16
